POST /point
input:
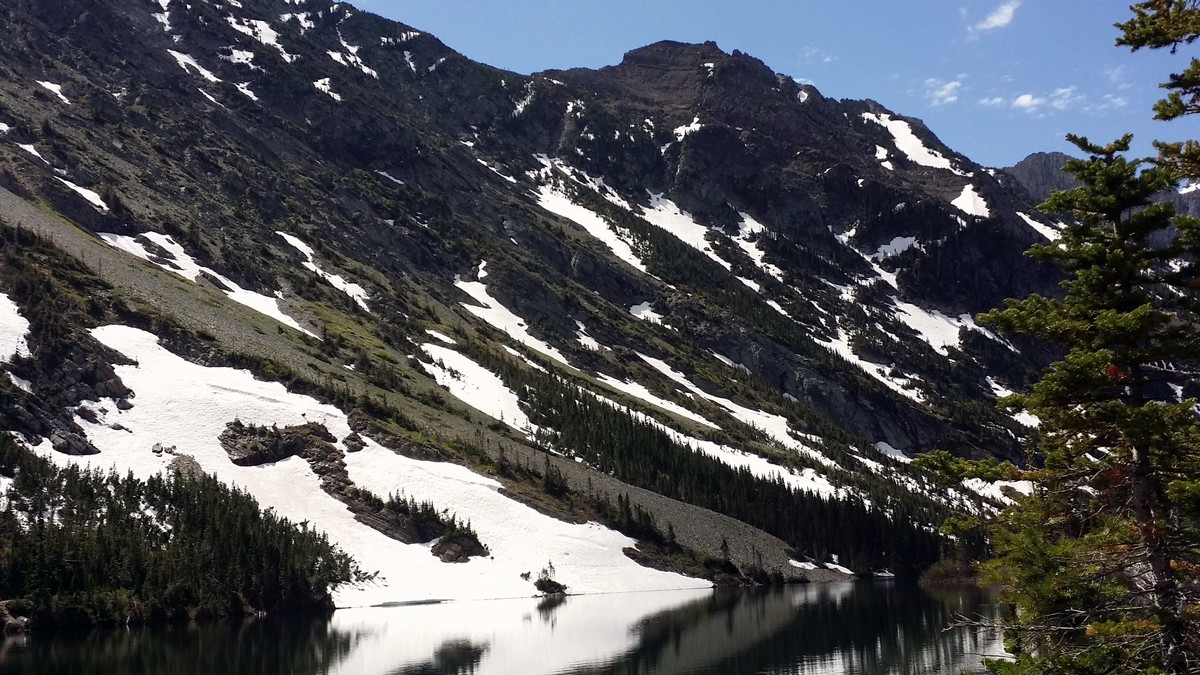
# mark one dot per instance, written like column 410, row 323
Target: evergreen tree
column 1102, row 558
column 1158, row 24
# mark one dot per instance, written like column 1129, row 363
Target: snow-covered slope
column 186, row 406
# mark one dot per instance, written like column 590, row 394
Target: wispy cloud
column 1063, row 98
column 816, row 54
column 1106, row 103
column 1118, row 76
column 999, row 18
column 942, row 93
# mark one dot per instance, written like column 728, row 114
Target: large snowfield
column 181, row 404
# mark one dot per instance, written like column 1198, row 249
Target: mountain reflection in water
column 826, row 629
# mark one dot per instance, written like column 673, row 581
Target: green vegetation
column 632, row 450
column 1102, row 560
column 546, row 583
column 82, row 547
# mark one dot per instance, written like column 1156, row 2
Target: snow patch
column 244, row 87
column 21, row 383
column 638, row 390
column 686, row 129
column 881, row 154
column 557, row 202
column 838, row 568
column 55, row 89
column 1046, row 231
column 477, row 386
column 887, row 450
column 356, row 292
column 440, row 336
column 775, row 427
column 806, row 479
column 586, row 340
column 323, row 85
column 90, row 195
column 188, row 63
column 524, row 102
column 840, row 345
column 28, row 147
column 665, row 214
column 13, row 331
column 997, row 490
column 302, row 18
column 178, row 261
column 261, row 31
column 1024, row 417
column 749, row 234
column 894, row 247
column 241, row 56
column 971, row 203
column 939, row 330
column 490, row 310
column 646, row 312
column 390, row 177
column 908, row 143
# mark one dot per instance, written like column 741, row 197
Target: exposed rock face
column 458, row 548
column 252, row 446
column 1041, row 173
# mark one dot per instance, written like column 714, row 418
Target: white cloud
column 1028, row 102
column 1106, row 103
column 992, row 101
column 816, row 54
column 1063, row 98
column 1000, row 17
column 1116, row 74
column 941, row 93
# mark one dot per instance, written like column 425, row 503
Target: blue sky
column 994, row 79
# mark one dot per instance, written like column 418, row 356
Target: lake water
column 872, row 628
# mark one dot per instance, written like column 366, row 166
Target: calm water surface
column 826, row 629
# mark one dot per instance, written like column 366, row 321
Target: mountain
column 1041, row 173
column 683, row 297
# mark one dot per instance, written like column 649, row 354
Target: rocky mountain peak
column 740, row 266
column 1041, row 173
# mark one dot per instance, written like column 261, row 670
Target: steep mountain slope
column 683, row 295
column 1041, row 173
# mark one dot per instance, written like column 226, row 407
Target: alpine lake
column 867, row 627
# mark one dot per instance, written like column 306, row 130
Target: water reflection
column 821, row 629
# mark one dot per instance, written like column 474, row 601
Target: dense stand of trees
column 1102, row 559
column 894, row 533
column 80, row 547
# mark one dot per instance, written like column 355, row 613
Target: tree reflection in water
column 825, row 629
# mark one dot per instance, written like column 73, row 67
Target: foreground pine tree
column 1103, row 559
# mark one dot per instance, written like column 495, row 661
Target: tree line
column 81, row 546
